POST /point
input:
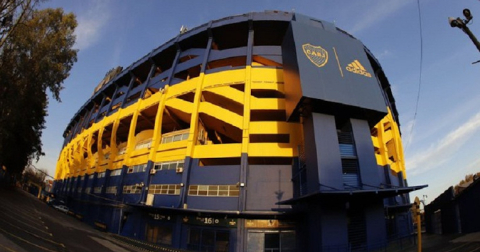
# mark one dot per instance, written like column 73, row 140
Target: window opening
column 175, row 136
column 111, row 190
column 132, row 189
column 350, row 167
column 170, row 165
column 116, row 172
column 202, row 239
column 213, row 190
column 165, row 189
column 159, row 234
column 137, row 168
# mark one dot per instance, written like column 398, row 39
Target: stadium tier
column 269, row 131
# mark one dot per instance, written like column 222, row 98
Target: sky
column 424, row 59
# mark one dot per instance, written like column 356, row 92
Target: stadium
column 268, row 131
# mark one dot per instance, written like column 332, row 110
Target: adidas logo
column 356, row 67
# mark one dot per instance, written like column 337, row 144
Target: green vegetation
column 464, row 183
column 36, row 55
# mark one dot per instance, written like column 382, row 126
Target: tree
column 35, row 57
column 35, row 176
column 13, row 13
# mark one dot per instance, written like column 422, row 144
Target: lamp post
column 462, row 25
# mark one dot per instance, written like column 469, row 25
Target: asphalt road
column 28, row 224
column 451, row 242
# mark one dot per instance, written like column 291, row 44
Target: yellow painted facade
column 234, row 111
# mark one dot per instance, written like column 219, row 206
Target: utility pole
column 462, row 25
column 417, row 219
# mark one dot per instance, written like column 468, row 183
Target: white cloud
column 383, row 54
column 407, row 134
column 444, row 149
column 376, row 13
column 91, row 23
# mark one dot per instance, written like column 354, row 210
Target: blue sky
column 443, row 145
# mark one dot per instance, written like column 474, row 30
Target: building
column 266, row 131
column 455, row 210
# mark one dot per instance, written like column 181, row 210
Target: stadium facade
column 268, row 131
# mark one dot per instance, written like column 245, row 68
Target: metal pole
column 419, row 231
column 472, row 37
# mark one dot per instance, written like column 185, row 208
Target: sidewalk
column 449, row 242
column 8, row 245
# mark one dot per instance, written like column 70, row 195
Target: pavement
column 449, row 243
column 27, row 224
column 109, row 242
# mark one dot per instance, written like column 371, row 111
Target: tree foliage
column 13, row 13
column 35, row 56
column 35, row 176
column 464, row 183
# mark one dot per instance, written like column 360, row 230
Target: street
column 28, row 224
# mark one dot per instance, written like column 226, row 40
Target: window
column 144, row 144
column 88, row 190
column 159, row 234
column 270, row 241
column 82, row 178
column 137, row 168
column 132, row 189
column 117, row 172
column 111, row 190
column 213, row 190
column 208, row 240
column 79, row 190
column 97, row 189
column 91, row 176
column 175, row 138
column 350, row 166
column 387, row 126
column 166, row 189
column 122, row 151
column 171, row 165
column 101, row 175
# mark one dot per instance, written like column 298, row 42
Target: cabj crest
column 316, row 54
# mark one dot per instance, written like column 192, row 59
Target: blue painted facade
column 455, row 211
column 332, row 196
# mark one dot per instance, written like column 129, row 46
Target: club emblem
column 316, row 54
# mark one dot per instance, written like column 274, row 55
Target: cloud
column 444, row 149
column 383, row 54
column 376, row 13
column 91, row 23
column 407, row 134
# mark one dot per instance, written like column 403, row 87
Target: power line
column 419, row 78
column 46, row 174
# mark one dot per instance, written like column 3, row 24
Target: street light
column 462, row 25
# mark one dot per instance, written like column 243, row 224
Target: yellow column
column 398, row 145
column 192, row 137
column 99, row 145
column 89, row 150
column 157, row 131
column 382, row 142
column 70, row 160
column 76, row 157
column 84, row 161
column 246, row 109
column 113, row 139
column 131, row 134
